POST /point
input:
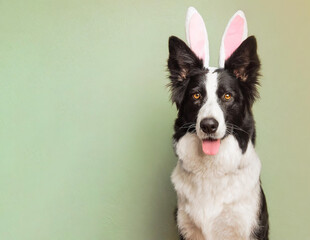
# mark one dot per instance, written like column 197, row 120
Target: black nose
column 209, row 125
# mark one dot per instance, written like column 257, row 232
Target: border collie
column 217, row 177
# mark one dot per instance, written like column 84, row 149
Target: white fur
column 218, row 196
column 211, row 109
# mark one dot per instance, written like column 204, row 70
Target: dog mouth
column 210, row 146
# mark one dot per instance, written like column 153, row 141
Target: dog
column 217, row 176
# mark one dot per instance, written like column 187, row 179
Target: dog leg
column 188, row 229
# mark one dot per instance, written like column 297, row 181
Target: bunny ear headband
column 197, row 37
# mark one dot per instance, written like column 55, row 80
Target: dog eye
column 227, row 96
column 196, row 96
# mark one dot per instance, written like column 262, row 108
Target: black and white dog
column 217, row 177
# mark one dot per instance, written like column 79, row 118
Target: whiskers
column 191, row 127
column 232, row 127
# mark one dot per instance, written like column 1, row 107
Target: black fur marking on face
column 189, row 108
column 187, row 76
column 244, row 65
column 183, row 64
column 237, row 114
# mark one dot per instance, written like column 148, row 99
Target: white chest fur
column 218, row 196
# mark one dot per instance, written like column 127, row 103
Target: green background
column 86, row 122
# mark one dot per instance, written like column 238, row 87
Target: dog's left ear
column 238, row 55
column 244, row 63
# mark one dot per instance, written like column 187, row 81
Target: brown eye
column 196, row 96
column 227, row 96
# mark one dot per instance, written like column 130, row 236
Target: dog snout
column 209, row 125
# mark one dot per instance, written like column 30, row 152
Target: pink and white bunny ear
column 196, row 35
column 235, row 33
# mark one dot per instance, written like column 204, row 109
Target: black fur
column 183, row 65
column 244, row 65
column 239, row 77
column 262, row 230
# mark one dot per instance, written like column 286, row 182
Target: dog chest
column 213, row 203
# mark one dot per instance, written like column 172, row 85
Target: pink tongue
column 211, row 147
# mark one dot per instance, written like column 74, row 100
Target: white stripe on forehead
column 211, row 84
column 211, row 108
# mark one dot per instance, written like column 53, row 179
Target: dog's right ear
column 182, row 60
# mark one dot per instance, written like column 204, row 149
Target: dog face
column 214, row 102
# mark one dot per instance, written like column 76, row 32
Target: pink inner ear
column 233, row 36
column 197, row 36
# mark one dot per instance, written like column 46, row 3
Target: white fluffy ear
column 235, row 33
column 196, row 35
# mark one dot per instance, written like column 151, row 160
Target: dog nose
column 209, row 125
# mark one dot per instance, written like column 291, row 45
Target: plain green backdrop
column 86, row 122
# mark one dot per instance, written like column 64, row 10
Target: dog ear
column 244, row 65
column 182, row 60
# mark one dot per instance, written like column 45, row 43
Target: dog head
column 214, row 102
